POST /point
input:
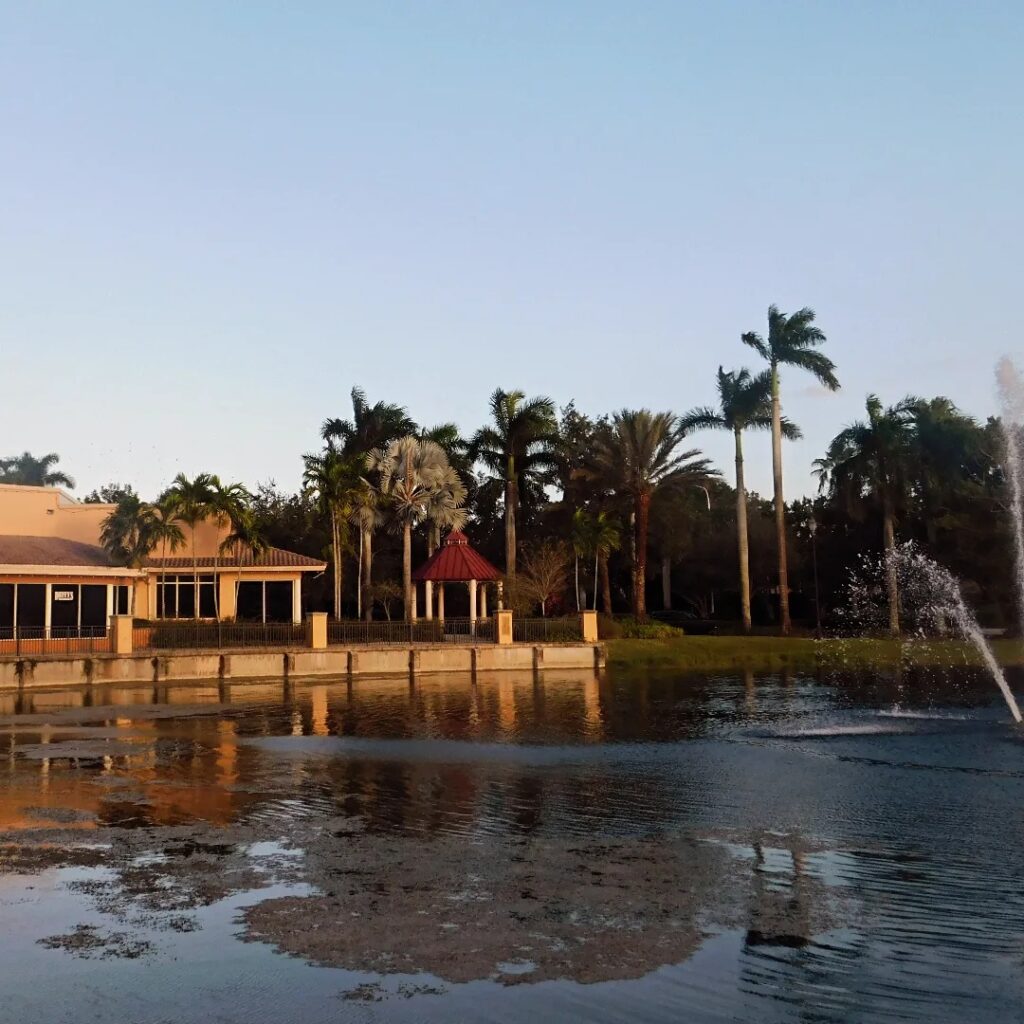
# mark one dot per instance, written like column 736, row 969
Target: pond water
column 634, row 847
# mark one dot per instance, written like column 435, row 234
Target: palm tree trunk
column 216, row 582
column 642, row 504
column 336, row 544
column 741, row 534
column 606, row 583
column 666, row 583
column 163, row 583
column 596, row 555
column 511, row 499
column 577, row 581
column 195, row 575
column 780, row 506
column 367, row 574
column 892, row 582
column 407, row 568
column 359, row 577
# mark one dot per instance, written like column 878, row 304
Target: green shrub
column 629, row 628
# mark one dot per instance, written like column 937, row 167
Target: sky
column 216, row 218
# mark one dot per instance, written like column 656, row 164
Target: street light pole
column 812, row 525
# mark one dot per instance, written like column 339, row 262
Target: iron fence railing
column 29, row 640
column 351, row 633
column 217, row 635
column 547, row 630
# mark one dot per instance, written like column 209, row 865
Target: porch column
column 131, row 600
column 48, row 611
column 440, row 601
column 297, row 599
column 472, row 607
column 110, row 602
column 428, row 599
column 483, row 601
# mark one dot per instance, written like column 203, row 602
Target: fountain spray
column 1010, row 385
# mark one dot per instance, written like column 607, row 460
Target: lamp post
column 812, row 526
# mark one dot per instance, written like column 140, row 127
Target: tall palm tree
column 168, row 534
column 744, row 402
column 792, row 341
column 191, row 502
column 244, row 536
column 873, row 460
column 127, row 533
column 639, row 454
column 411, row 473
column 334, row 479
column 226, row 507
column 582, row 544
column 33, row 471
column 371, row 426
column 519, row 448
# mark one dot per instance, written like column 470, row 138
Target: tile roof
column 19, row 550
column 456, row 561
column 272, row 558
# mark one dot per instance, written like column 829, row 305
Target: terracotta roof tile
column 19, row 550
column 272, row 558
column 456, row 561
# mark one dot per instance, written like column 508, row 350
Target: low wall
column 56, row 671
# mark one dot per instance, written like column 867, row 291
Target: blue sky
column 217, row 218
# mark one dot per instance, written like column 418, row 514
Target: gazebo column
column 472, row 607
column 440, row 601
column 428, row 600
column 483, row 601
column 415, row 595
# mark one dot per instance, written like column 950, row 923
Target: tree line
column 573, row 508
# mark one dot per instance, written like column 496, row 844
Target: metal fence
column 351, row 633
column 547, row 631
column 28, row 640
column 184, row 635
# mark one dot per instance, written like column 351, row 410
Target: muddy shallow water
column 642, row 847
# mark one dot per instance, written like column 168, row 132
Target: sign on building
column 63, row 595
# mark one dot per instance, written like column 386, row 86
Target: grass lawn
column 766, row 653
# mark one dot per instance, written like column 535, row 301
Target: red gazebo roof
column 456, row 562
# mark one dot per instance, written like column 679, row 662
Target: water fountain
column 1010, row 385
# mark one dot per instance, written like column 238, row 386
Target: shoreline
column 767, row 653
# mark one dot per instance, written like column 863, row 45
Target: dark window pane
column 94, row 605
column 250, row 601
column 206, row 605
column 63, row 607
column 6, row 606
column 121, row 603
column 279, row 601
column 186, row 601
column 31, row 605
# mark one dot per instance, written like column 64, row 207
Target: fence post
column 121, row 634
column 503, row 626
column 316, row 630
column 588, row 627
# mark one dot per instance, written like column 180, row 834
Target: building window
column 176, row 597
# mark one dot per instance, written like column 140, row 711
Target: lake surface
column 634, row 847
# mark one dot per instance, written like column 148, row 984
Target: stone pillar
column 588, row 627
column 440, row 601
column 503, row 626
column 316, row 630
column 48, row 611
column 428, row 599
column 121, row 634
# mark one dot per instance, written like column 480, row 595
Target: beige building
column 55, row 575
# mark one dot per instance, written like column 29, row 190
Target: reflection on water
column 639, row 847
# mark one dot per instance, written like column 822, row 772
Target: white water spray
column 1011, row 398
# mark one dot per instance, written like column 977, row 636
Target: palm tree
column 411, row 473
column 166, row 532
column 638, row 453
column 606, row 537
column 245, row 536
column 582, row 545
column 32, row 471
column 744, row 402
column 518, row 448
column 371, row 426
column 191, row 501
column 226, row 506
column 873, row 460
column 127, row 533
column 367, row 517
column 792, row 341
column 334, row 479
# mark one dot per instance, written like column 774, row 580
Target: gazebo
column 456, row 562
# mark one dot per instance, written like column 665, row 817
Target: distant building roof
column 271, row 558
column 18, row 550
column 455, row 561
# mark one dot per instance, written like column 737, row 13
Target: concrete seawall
column 28, row 672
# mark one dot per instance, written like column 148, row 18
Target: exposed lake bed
column 722, row 847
